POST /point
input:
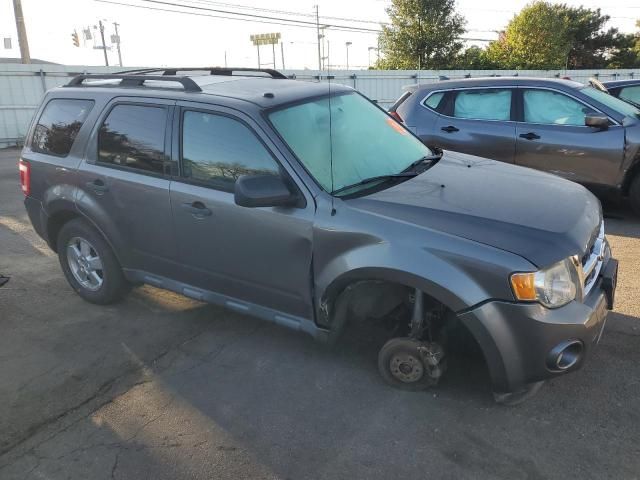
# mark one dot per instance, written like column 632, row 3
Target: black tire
column 113, row 284
column 405, row 348
column 634, row 194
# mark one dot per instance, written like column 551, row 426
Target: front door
column 256, row 255
column 477, row 122
column 552, row 136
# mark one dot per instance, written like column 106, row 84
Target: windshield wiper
column 375, row 179
column 429, row 159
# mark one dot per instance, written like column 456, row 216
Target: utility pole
column 116, row 25
column 104, row 45
column 318, row 33
column 282, row 53
column 258, row 47
column 273, row 48
column 225, row 59
column 22, row 32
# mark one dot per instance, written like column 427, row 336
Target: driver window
column 553, row 108
column 216, row 150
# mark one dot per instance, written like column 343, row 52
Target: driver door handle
column 530, row 136
column 450, row 129
column 197, row 209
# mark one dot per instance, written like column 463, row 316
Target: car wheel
column 409, row 364
column 89, row 264
column 634, row 194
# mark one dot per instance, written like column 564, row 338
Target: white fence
column 22, row 86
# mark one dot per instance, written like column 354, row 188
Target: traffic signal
column 75, row 39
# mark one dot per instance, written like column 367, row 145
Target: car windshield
column 620, row 106
column 360, row 139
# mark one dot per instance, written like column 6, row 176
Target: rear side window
column 217, row 149
column 132, row 136
column 58, row 126
column 489, row 104
column 433, row 101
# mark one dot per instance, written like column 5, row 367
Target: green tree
column 422, row 34
column 474, row 58
column 536, row 38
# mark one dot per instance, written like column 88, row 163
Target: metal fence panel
column 22, row 86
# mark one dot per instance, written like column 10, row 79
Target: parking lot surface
column 163, row 387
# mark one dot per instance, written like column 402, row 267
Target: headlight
column 553, row 287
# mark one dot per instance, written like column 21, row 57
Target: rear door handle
column 197, row 209
column 450, row 129
column 530, row 136
column 98, row 186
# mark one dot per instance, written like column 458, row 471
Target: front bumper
column 517, row 339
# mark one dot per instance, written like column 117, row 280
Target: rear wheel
column 89, row 264
column 634, row 194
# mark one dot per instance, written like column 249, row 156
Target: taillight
column 395, row 115
column 25, row 176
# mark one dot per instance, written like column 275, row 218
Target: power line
column 348, row 29
column 254, row 15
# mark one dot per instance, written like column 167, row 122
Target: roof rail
column 212, row 71
column 135, row 80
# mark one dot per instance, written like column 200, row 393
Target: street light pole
column 318, row 33
column 348, row 44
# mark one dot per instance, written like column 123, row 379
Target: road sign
column 265, row 38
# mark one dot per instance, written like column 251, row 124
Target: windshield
column 364, row 141
column 620, row 106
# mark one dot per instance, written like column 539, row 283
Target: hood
column 538, row 216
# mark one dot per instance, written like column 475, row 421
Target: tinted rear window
column 132, row 136
column 58, row 126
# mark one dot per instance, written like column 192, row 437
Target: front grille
column 592, row 261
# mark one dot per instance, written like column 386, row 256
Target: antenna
column 333, row 210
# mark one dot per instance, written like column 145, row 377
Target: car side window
column 132, row 136
column 217, row 149
column 58, row 126
column 483, row 104
column 553, row 108
column 433, row 100
column 630, row 93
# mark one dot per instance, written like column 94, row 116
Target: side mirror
column 263, row 191
column 597, row 121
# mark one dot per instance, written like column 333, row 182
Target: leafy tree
column 474, row 58
column 422, row 34
column 536, row 38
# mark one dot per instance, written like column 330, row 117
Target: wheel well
column 55, row 224
column 386, row 301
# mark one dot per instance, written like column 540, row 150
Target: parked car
column 627, row 90
column 559, row 126
column 262, row 195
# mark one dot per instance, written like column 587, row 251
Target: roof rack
column 212, row 71
column 135, row 80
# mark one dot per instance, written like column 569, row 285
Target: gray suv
column 307, row 205
column 559, row 126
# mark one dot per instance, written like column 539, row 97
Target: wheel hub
column 406, row 368
column 85, row 263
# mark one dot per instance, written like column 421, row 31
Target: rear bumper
column 37, row 215
column 517, row 339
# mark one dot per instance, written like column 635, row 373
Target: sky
column 161, row 38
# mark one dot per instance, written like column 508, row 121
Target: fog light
column 565, row 355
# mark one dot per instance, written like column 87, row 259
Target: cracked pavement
column 163, row 387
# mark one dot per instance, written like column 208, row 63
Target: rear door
column 125, row 182
column 552, row 136
column 256, row 255
column 476, row 121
